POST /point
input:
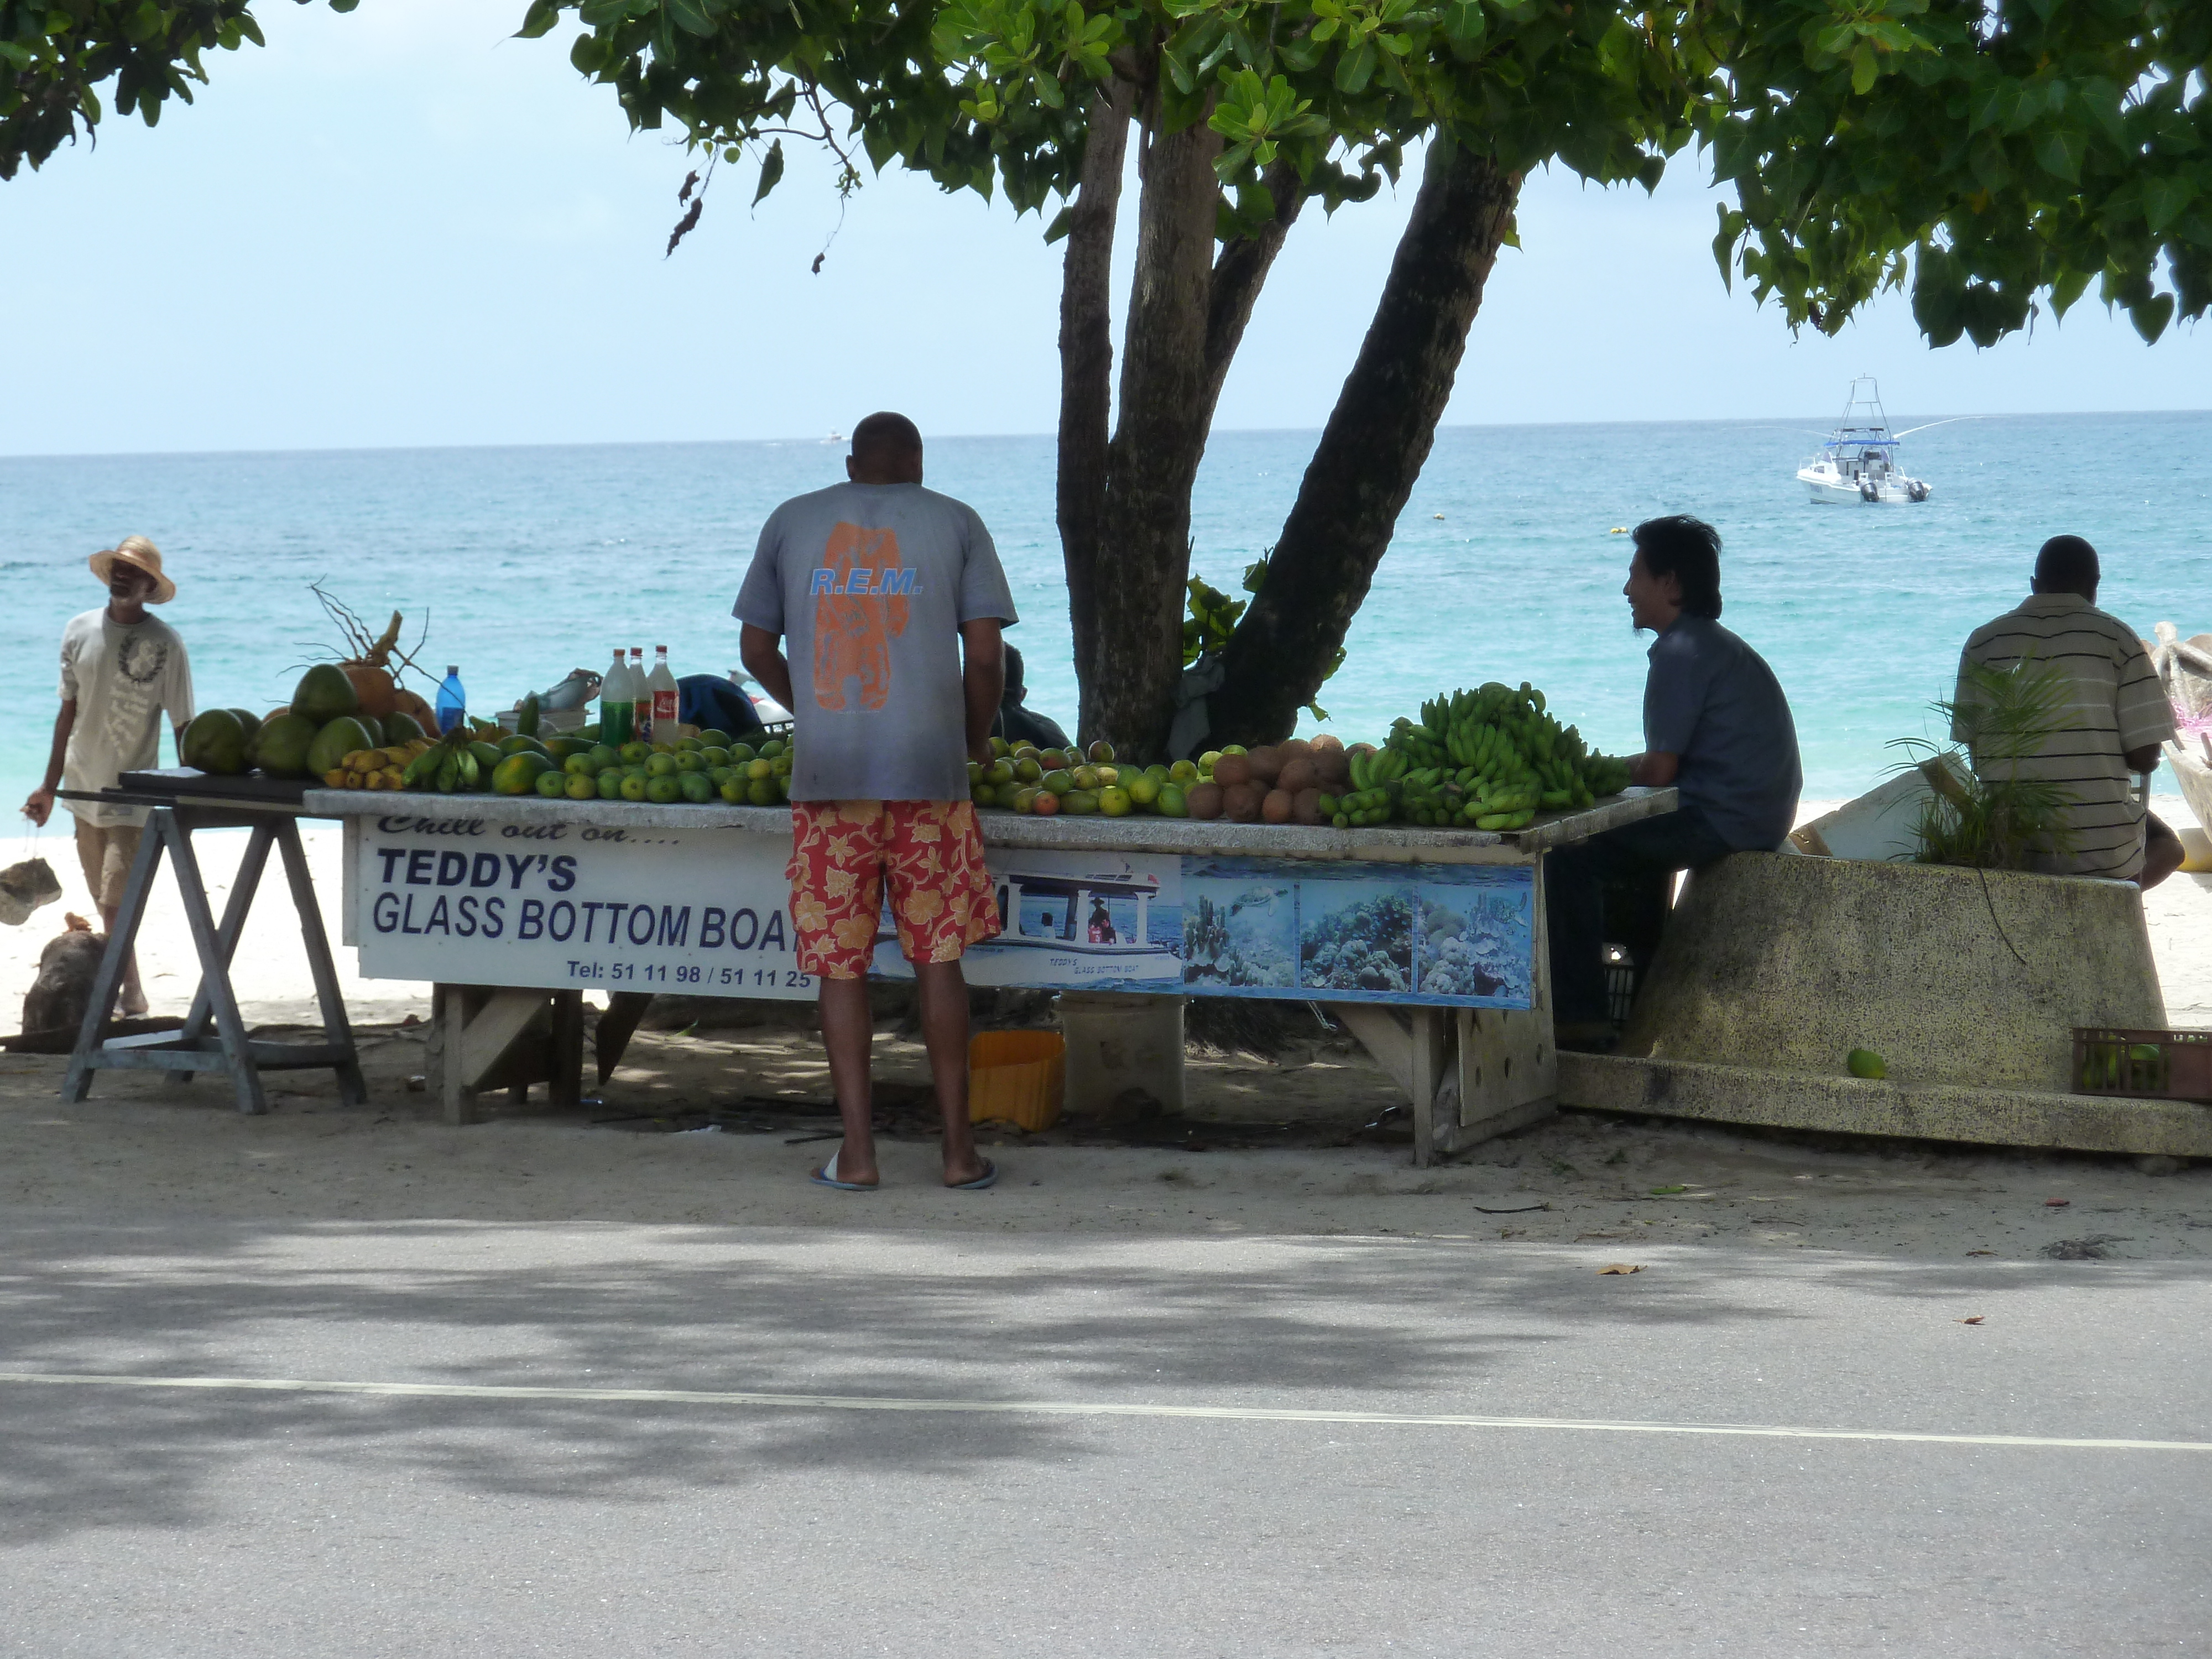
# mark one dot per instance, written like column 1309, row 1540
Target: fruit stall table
column 1427, row 944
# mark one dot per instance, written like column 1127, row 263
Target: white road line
column 846, row 1402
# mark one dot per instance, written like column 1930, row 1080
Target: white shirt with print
column 123, row 680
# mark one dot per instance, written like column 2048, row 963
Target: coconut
column 1327, row 740
column 1267, row 763
column 1240, row 802
column 1293, row 748
column 1305, row 808
column 1203, row 800
column 1232, row 769
column 1331, row 767
column 1275, row 808
column 1298, row 773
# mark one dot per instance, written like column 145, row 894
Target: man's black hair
column 886, row 434
column 1013, row 670
column 1688, row 549
column 2067, row 564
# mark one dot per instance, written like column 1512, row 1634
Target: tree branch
column 1372, row 450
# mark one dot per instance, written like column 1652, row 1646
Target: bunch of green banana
column 446, row 766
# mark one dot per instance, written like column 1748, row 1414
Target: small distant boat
column 1860, row 462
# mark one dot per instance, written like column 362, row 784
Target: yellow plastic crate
column 1017, row 1077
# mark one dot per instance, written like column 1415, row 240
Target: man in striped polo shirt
column 2118, row 716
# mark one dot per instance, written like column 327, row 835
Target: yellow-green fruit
column 1005, row 794
column 1114, row 802
column 215, row 743
column 1086, row 777
column 637, row 753
column 1101, row 750
column 324, row 694
column 663, row 789
column 695, row 787
column 280, row 747
column 552, row 783
column 734, row 791
column 716, row 756
column 1143, row 789
column 763, row 792
column 1171, row 802
column 604, row 755
column 1080, row 801
column 609, row 783
column 518, row 773
column 759, row 769
column 660, row 766
column 581, row 785
column 580, row 766
column 516, row 744
column 1059, row 782
column 1865, row 1062
column 561, row 748
column 632, row 785
column 742, row 752
column 487, row 758
column 714, row 738
column 1026, row 770
column 690, row 760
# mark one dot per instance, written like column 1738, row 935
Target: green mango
column 343, row 736
column 215, row 743
column 280, row 747
column 324, row 694
column 402, row 727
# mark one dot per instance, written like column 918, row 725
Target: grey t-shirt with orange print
column 869, row 585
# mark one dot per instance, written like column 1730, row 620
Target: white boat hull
column 1844, row 492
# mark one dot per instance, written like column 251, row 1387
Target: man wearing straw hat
column 122, row 670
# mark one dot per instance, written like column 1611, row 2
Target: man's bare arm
column 983, row 679
column 1653, row 770
column 40, row 805
column 762, row 654
column 2144, row 759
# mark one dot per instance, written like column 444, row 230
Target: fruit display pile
column 709, row 768
column 325, row 732
column 1488, row 759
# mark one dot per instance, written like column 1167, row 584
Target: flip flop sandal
column 988, row 1178
column 827, row 1177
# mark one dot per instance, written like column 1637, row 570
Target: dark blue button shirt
column 1713, row 700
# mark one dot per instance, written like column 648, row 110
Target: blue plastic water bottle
column 452, row 701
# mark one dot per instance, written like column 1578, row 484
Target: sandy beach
column 718, row 1123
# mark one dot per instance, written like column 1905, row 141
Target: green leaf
column 771, row 172
column 2165, row 195
column 2060, row 152
column 539, row 20
column 1356, row 68
column 2151, row 317
column 1866, row 70
column 1061, row 223
column 690, row 16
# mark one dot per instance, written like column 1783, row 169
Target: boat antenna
column 1930, row 425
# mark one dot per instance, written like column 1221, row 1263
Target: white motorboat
column 1860, row 463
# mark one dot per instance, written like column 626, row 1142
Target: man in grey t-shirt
column 1717, row 727
column 892, row 599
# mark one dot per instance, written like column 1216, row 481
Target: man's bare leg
column 849, row 1031
column 942, row 992
column 132, row 1000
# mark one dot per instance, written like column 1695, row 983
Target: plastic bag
column 24, row 886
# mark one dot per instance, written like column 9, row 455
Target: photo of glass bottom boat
column 1091, row 923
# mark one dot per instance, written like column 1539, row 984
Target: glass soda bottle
column 452, row 701
column 617, row 725
column 662, row 685
column 640, row 696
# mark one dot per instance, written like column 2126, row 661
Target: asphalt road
column 887, row 1500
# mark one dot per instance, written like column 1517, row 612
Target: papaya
column 215, row 743
column 280, row 747
column 520, row 741
column 518, row 773
column 249, row 720
column 346, row 735
column 561, row 748
column 402, row 728
column 324, row 694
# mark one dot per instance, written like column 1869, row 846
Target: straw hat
column 140, row 555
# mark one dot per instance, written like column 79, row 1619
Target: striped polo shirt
column 2117, row 704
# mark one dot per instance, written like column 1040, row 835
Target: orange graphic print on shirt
column 861, row 593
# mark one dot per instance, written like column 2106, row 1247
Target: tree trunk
column 1136, row 604
column 1086, row 364
column 1370, row 452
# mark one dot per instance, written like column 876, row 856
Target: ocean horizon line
column 1733, row 423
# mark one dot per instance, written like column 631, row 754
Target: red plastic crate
column 2147, row 1065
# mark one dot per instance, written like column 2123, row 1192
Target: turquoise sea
column 524, row 563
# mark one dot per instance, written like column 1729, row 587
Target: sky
column 402, row 227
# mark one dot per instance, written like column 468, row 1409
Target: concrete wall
column 1956, row 977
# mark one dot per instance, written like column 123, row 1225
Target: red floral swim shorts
column 842, row 851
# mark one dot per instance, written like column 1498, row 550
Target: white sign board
column 459, row 899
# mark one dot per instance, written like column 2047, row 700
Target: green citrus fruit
column 608, row 784
column 583, row 785
column 1114, row 802
column 632, row 785
column 695, row 787
column 1171, row 803
column 552, row 784
column 663, row 789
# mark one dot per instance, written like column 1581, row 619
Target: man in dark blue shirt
column 1716, row 726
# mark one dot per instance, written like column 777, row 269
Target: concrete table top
column 1388, row 844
